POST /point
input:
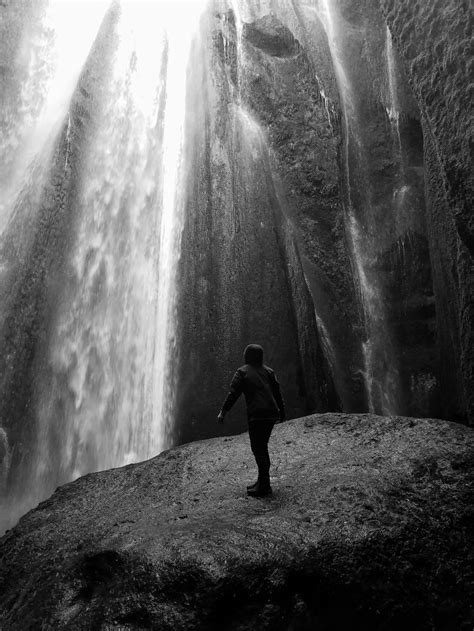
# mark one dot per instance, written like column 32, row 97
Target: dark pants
column 259, row 433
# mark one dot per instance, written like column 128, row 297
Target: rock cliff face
column 281, row 85
column 370, row 526
column 407, row 177
column 434, row 41
column 241, row 277
column 386, row 212
column 350, row 161
column 342, row 168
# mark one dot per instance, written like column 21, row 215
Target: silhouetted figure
column 265, row 407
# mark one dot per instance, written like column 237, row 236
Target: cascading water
column 104, row 393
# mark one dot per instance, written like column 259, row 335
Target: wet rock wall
column 386, row 176
column 283, row 86
column 434, row 41
column 242, row 279
column 290, row 84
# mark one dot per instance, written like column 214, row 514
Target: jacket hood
column 253, row 354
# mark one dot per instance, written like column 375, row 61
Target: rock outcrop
column 370, row 526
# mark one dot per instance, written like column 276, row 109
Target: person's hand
column 220, row 417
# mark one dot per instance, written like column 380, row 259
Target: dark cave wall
column 241, row 276
column 434, row 41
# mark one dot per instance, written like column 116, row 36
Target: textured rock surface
column 370, row 526
column 390, row 249
column 293, row 95
column 434, row 40
column 304, row 134
column 242, row 278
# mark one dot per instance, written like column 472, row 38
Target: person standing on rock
column 265, row 407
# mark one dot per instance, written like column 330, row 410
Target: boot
column 261, row 488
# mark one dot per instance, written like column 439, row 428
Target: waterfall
column 103, row 394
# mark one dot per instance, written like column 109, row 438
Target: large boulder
column 370, row 526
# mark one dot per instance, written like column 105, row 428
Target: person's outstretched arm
column 235, row 390
column 277, row 396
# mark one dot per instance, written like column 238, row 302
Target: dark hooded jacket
column 259, row 385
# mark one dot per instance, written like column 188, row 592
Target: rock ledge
column 370, row 526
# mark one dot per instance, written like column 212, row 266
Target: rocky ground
column 370, row 526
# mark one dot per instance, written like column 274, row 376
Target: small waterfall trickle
column 5, row 458
column 327, row 107
column 393, row 108
column 402, row 189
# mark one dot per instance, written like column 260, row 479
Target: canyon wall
column 434, row 40
column 283, row 85
column 352, row 198
column 348, row 156
column 386, row 211
column 242, row 278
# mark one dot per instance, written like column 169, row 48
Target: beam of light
column 54, row 52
